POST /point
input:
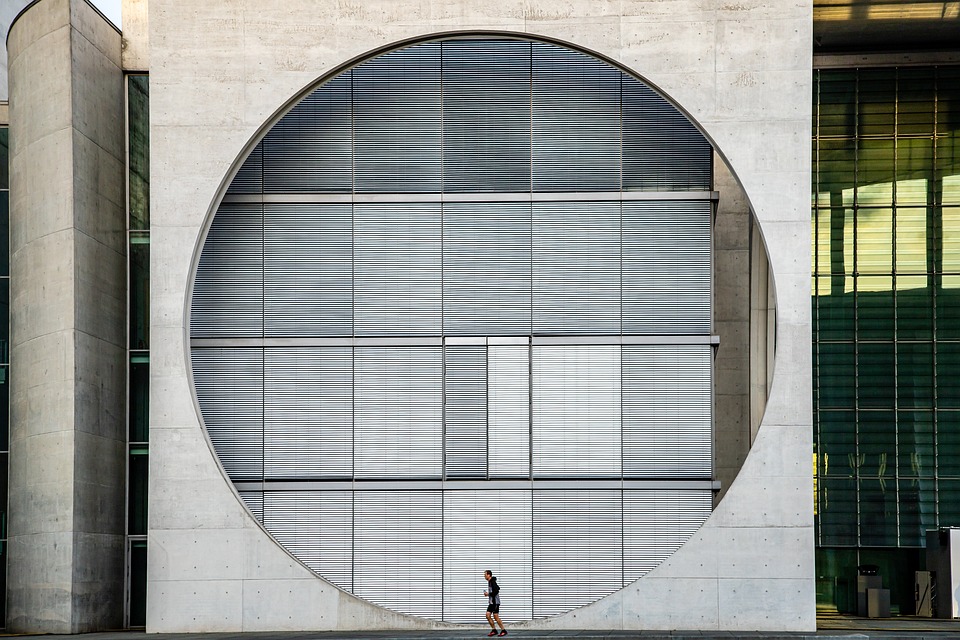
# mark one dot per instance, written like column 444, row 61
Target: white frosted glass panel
column 317, row 528
column 308, row 396
column 577, row 549
column 398, row 560
column 657, row 523
column 397, row 412
column 508, row 409
column 576, row 411
column 397, row 269
column 666, row 411
column 486, row 530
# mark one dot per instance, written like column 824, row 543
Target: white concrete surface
column 221, row 70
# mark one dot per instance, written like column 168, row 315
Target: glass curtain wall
column 138, row 257
column 4, row 359
column 886, row 336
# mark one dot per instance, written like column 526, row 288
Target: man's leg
column 496, row 617
column 490, row 620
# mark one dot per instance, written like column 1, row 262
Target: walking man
column 493, row 604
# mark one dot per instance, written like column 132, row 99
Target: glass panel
column 914, row 375
column 918, row 511
column 138, row 123
column 837, row 511
column 915, row 454
column 948, row 382
column 835, row 169
column 914, row 171
column 876, row 91
column 876, row 375
column 4, row 233
column 914, row 312
column 139, row 293
column 875, row 308
column 138, row 583
column 948, row 97
column 875, row 172
column 137, row 493
column 508, row 409
column 878, row 512
column 948, row 313
column 4, row 320
column 836, row 112
column 837, row 579
column 877, row 435
column 837, row 375
column 949, row 503
column 836, row 442
column 948, row 448
column 874, row 242
column 950, row 228
column 835, row 316
column 465, row 411
column 139, row 398
column 915, row 102
column 911, row 244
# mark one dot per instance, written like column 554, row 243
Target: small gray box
column 878, row 603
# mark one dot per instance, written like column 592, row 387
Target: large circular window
column 453, row 313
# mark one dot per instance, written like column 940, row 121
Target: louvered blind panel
column 576, row 411
column 486, row 268
column 397, row 268
column 316, row 297
column 576, row 268
column 397, row 121
column 254, row 502
column 486, row 116
column 308, row 398
column 229, row 385
column 228, row 290
column 667, row 411
column 465, row 411
column 576, row 121
column 577, row 548
column 508, row 410
column 249, row 178
column 398, row 561
column 317, row 528
column 657, row 523
column 311, row 148
column 662, row 149
column 397, row 412
column 486, row 530
column 666, row 267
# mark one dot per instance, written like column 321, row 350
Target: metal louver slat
column 576, row 268
column 577, row 548
column 254, row 502
column 666, row 267
column 229, row 386
column 317, row 528
column 667, row 411
column 397, row 268
column 486, row 530
column 308, row 397
column 249, row 178
column 662, row 149
column 398, row 413
column 396, row 103
column 576, row 122
column 316, row 298
column 576, row 411
column 656, row 524
column 228, row 290
column 398, row 550
column 311, row 148
column 486, row 116
column 486, row 268
column 465, row 411
column 508, row 410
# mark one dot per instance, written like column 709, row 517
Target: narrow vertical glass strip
column 138, row 151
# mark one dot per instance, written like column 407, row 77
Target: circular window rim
column 260, row 133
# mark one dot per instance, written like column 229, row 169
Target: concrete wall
column 68, row 303
column 220, row 70
column 136, row 50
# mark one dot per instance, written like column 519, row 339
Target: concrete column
column 68, row 317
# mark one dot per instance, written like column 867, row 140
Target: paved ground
column 839, row 627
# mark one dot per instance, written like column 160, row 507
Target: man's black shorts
column 493, row 608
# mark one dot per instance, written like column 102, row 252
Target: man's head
column 488, row 574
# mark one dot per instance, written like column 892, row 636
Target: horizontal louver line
column 559, row 196
column 412, row 341
column 466, row 484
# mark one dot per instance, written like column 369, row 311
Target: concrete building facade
column 220, row 75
